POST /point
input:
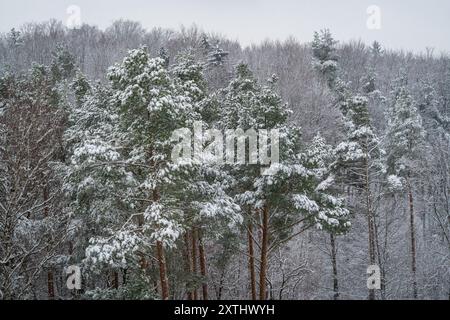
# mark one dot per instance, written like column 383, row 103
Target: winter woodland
column 86, row 177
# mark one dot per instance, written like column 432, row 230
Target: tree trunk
column 413, row 239
column 155, row 281
column 221, row 281
column 201, row 252
column 335, row 271
column 370, row 223
column 161, row 260
column 194, row 260
column 50, row 278
column 188, row 264
column 50, row 285
column 162, row 271
column 251, row 261
column 380, row 262
column 115, row 279
column 264, row 249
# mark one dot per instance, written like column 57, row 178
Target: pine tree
column 405, row 140
column 124, row 151
column 202, row 184
column 63, row 65
column 289, row 199
column 325, row 57
column 357, row 160
column 143, row 86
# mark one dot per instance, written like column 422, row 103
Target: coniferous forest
column 93, row 207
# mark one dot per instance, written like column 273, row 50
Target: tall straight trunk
column 162, row 270
column 50, row 285
column 381, row 262
column 161, row 260
column 50, row 277
column 220, row 290
column 251, row 260
column 194, row 260
column 201, row 252
column 264, row 251
column 334, row 263
column 155, row 281
column 413, row 239
column 143, row 264
column 370, row 223
column 188, row 263
column 124, row 277
column 115, row 279
column 381, row 265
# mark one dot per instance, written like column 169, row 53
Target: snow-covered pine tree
column 358, row 159
column 359, row 163
column 325, row 57
column 216, row 64
column 405, row 143
column 63, row 65
column 428, row 107
column 201, row 185
column 93, row 180
column 289, row 199
column 150, row 107
column 80, row 87
column 320, row 157
column 121, row 167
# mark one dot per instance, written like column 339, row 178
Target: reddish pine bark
column 50, row 285
column 162, row 270
column 188, row 262
column 264, row 251
column 115, row 280
column 194, row 260
column 161, row 261
column 201, row 251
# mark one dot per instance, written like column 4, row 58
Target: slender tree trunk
column 161, row 260
column 380, row 262
column 413, row 239
column 220, row 290
column 188, row 264
column 162, row 271
column 370, row 223
column 264, row 250
column 201, row 252
column 124, row 277
column 50, row 277
column 155, row 281
column 334, row 263
column 143, row 264
column 194, row 260
column 50, row 285
column 115, row 279
column 251, row 261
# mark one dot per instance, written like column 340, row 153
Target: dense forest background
column 82, row 184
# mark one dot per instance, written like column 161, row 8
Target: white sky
column 405, row 24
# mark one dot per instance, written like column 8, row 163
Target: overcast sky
column 402, row 24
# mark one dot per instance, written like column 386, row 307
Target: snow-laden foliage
column 405, row 134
